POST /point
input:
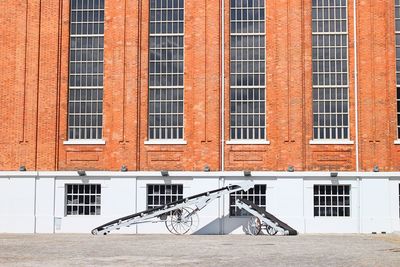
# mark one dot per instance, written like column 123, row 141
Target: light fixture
column 376, row 168
column 22, row 168
column 81, row 173
column 206, row 168
column 124, row 168
column 290, row 168
column 164, row 173
column 247, row 173
column 334, row 174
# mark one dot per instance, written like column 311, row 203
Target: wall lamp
column 290, row 168
column 376, row 168
column 124, row 168
column 334, row 174
column 247, row 173
column 22, row 168
column 206, row 168
column 81, row 173
column 164, row 173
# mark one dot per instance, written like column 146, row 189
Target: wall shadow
column 214, row 227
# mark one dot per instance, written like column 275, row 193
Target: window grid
column 160, row 194
column 247, row 70
column 330, row 70
column 332, row 200
column 86, row 70
column 397, row 26
column 257, row 195
column 83, row 199
column 166, row 69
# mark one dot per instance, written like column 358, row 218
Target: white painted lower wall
column 34, row 202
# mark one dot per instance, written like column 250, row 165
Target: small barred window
column 160, row 194
column 331, row 200
column 83, row 199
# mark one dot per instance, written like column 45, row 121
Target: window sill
column 85, row 142
column 248, row 142
column 397, row 142
column 331, row 142
column 165, row 142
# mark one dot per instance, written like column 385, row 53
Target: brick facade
column 34, row 88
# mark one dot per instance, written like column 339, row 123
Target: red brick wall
column 34, row 87
column 377, row 85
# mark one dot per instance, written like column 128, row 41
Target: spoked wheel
column 182, row 221
column 271, row 231
column 253, row 226
column 169, row 226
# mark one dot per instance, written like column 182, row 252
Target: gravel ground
column 228, row 250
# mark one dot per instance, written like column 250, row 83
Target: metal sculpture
column 262, row 219
column 180, row 217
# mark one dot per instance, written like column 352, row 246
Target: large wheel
column 168, row 224
column 253, row 226
column 182, row 221
column 271, row 231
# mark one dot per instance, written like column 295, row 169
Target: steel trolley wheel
column 182, row 221
column 254, row 226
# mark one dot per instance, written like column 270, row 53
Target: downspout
column 38, row 88
column 356, row 81
column 222, row 19
column 139, row 85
